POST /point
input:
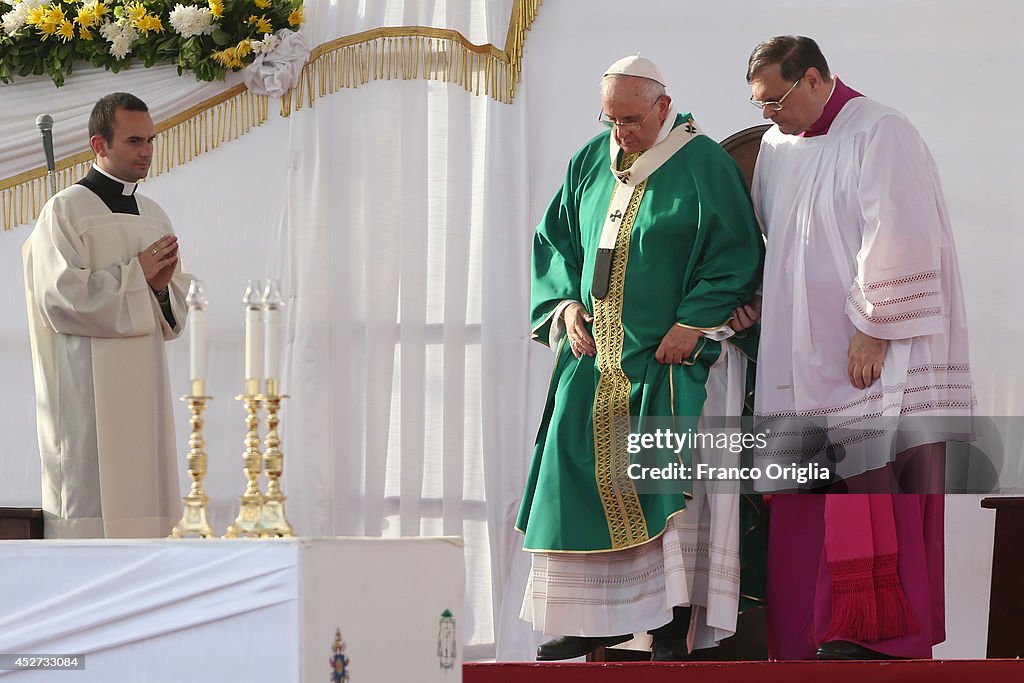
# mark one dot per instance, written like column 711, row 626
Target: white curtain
column 405, row 228
column 401, row 223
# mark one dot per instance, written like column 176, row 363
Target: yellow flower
column 136, row 12
column 262, row 24
column 36, row 16
column 224, row 57
column 84, row 33
column 295, row 18
column 217, row 8
column 54, row 15
column 87, row 16
column 100, row 9
column 244, row 48
column 262, row 4
column 228, row 57
column 150, row 24
column 49, row 21
column 66, row 31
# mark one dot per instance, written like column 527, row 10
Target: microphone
column 44, row 123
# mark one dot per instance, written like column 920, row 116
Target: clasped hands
column 865, row 353
column 676, row 346
column 159, row 261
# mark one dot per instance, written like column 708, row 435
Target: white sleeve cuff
column 719, row 333
column 557, row 328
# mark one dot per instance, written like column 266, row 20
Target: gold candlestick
column 247, row 523
column 194, row 520
column 273, row 520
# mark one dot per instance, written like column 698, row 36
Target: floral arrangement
column 207, row 37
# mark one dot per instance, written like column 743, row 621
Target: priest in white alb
column 105, row 292
column 863, row 355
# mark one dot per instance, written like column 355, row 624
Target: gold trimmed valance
column 413, row 52
column 386, row 53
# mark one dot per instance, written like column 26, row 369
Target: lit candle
column 196, row 300
column 253, row 337
column 272, row 302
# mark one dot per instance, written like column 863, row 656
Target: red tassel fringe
column 895, row 617
column 868, row 603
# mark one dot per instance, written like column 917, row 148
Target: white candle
column 272, row 303
column 272, row 343
column 197, row 345
column 196, row 300
column 253, row 336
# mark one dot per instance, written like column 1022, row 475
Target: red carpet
column 932, row 671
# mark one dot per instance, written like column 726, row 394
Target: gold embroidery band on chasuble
column 627, row 525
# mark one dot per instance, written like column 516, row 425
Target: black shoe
column 844, row 649
column 668, row 651
column 570, row 647
column 668, row 642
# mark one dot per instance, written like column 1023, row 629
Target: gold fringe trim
column 400, row 52
column 415, row 52
column 179, row 139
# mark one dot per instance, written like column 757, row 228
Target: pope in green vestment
column 688, row 252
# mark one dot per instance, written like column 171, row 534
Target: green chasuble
column 688, row 251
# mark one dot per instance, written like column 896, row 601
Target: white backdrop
column 399, row 217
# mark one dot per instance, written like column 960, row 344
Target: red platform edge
column 931, row 670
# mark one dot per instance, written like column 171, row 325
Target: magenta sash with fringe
column 868, row 602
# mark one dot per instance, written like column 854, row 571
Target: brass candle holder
column 247, row 523
column 273, row 521
column 194, row 521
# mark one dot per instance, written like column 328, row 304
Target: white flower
column 14, row 19
column 121, row 35
column 109, row 31
column 189, row 20
column 120, row 47
column 267, row 45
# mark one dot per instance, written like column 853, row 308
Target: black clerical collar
column 112, row 191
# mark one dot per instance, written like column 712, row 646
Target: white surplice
column 858, row 239
column 104, row 411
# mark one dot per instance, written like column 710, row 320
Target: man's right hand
column 745, row 316
column 159, row 261
column 576, row 320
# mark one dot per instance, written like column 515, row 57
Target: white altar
column 235, row 610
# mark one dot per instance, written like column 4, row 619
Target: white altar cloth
column 232, row 610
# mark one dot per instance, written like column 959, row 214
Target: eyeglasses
column 775, row 105
column 626, row 125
